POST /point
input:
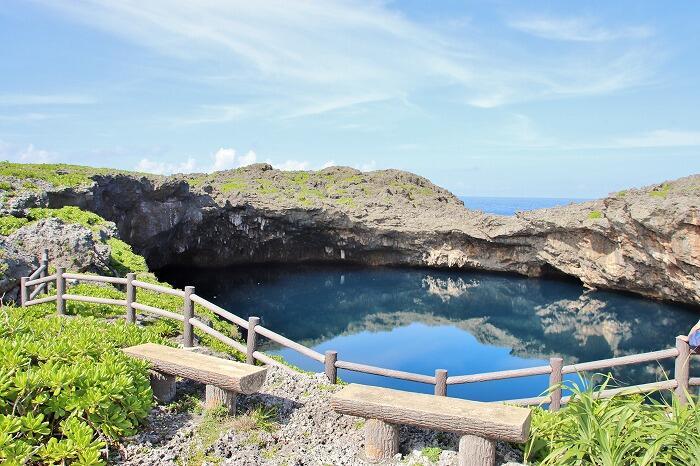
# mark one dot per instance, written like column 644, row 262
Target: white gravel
column 309, row 433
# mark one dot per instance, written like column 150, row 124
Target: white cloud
column 25, row 154
column 369, row 166
column 45, row 99
column 227, row 159
column 291, row 165
column 166, row 168
column 576, row 29
column 302, row 48
column 660, row 138
column 328, row 164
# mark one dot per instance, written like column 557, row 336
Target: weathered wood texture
column 157, row 311
column 188, row 313
column 218, row 335
column 94, row 278
column 440, row 382
column 681, row 371
column 130, row 298
column 251, row 343
column 499, row 375
column 92, row 299
column 220, row 311
column 277, row 338
column 488, row 420
column 60, row 291
column 229, row 375
column 163, row 386
column 24, row 291
column 329, row 366
column 394, row 374
column 216, row 396
column 381, row 440
column 159, row 288
column 555, row 383
column 476, row 451
column 621, row 361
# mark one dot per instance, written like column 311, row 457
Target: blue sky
column 558, row 99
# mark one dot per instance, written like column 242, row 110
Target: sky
column 520, row 99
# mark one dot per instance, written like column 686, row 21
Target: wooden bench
column 479, row 424
column 224, row 378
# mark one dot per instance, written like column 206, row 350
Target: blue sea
column 511, row 205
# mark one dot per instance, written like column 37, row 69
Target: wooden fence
column 40, row 281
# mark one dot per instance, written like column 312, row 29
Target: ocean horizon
column 511, row 205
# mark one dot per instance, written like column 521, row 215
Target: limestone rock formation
column 645, row 241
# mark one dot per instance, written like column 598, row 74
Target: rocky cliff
column 645, row 241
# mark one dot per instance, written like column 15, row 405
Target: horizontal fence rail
column 41, row 280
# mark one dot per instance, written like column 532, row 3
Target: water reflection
column 466, row 322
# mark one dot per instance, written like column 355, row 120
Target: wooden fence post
column 60, row 291
column 555, row 383
column 44, row 263
column 23, row 291
column 681, row 371
column 250, row 342
column 440, row 382
column 130, row 298
column 329, row 363
column 188, row 311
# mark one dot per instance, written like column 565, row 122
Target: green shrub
column 59, row 175
column 431, row 453
column 68, row 214
column 622, row 430
column 10, row 224
column 5, row 186
column 661, row 192
column 595, row 214
column 124, row 259
column 234, row 184
column 66, row 389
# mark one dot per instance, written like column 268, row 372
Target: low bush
column 69, row 214
column 10, row 224
column 66, row 389
column 124, row 259
column 622, row 430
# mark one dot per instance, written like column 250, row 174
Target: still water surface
column 419, row 320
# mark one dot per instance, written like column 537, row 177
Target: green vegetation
column 661, row 192
column 68, row 214
column 234, row 184
column 623, row 430
column 59, row 175
column 595, row 214
column 266, row 186
column 5, row 186
column 65, row 387
column 431, row 453
column 124, row 259
column 214, row 423
column 10, row 224
column 348, row 201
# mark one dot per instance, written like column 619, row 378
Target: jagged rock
column 70, row 245
column 14, row 262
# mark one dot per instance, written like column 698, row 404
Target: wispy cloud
column 303, row 48
column 166, row 168
column 27, row 117
column 45, row 99
column 26, row 153
column 576, row 29
column 660, row 138
column 210, row 114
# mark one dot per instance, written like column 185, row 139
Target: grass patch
column 59, row 175
column 215, row 422
column 124, row 259
column 347, row 201
column 5, row 186
column 431, row 453
column 10, row 224
column 595, row 214
column 266, row 187
column 69, row 214
column 661, row 192
column 624, row 429
column 234, row 184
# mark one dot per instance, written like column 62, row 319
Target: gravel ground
column 309, row 432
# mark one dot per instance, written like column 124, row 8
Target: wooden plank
column 222, row 373
column 220, row 311
column 394, row 374
column 487, row 420
column 158, row 288
column 277, row 338
column 91, row 299
column 499, row 375
column 94, row 278
column 621, row 361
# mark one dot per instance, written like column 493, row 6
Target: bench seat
column 224, row 378
column 478, row 424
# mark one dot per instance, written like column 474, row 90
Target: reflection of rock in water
column 583, row 318
column 449, row 288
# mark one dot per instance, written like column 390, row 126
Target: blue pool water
column 419, row 320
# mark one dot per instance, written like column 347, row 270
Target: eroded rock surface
column 645, row 241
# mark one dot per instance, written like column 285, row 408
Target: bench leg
column 216, row 396
column 476, row 451
column 381, row 440
column 163, row 386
